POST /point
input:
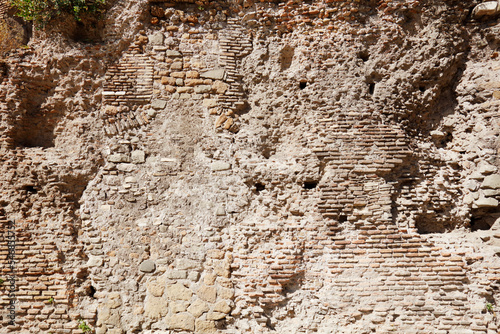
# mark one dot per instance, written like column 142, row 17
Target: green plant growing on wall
column 1, row 281
column 51, row 300
column 42, row 11
column 83, row 326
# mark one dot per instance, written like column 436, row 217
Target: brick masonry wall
column 256, row 167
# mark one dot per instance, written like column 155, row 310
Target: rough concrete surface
column 254, row 167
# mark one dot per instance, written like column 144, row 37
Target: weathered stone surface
column 213, row 74
column 138, row 157
column 184, row 321
column 173, row 53
column 178, row 292
column 204, row 326
column 156, row 39
column 118, row 157
column 95, row 261
column 215, row 315
column 222, row 306
column 220, row 166
column 491, row 182
column 486, row 202
column 486, row 8
column 198, row 307
column 355, row 136
column 158, row 104
column 220, row 87
column 147, row 266
column 207, row 293
column 155, row 307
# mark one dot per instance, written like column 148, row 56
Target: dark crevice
column 259, row 187
column 302, row 84
column 371, row 88
column 310, row 185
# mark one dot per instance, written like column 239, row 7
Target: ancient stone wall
column 248, row 167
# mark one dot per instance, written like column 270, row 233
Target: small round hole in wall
column 422, row 88
column 302, row 84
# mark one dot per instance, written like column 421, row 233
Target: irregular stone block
column 178, row 292
column 219, row 166
column 222, row 306
column 184, row 264
column 177, row 274
column 155, row 307
column 118, row 157
column 209, row 103
column 173, row 53
column 207, row 293
column 225, row 293
column 214, row 74
column 183, row 321
column 215, row 315
column 486, row 202
column 205, row 327
column 491, row 182
column 177, row 66
column 198, row 307
column 147, row 266
column 220, row 87
column 138, row 157
column 486, row 9
column 156, row 39
column 203, row 89
column 95, row 261
column 159, row 104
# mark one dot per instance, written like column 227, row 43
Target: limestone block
column 486, row 8
column 118, row 157
column 491, row 182
column 179, row 75
column 209, row 278
column 207, row 293
column 95, row 261
column 155, row 307
column 222, row 306
column 156, row 39
column 215, row 315
column 185, row 264
column 159, row 104
column 178, row 306
column 138, row 157
column 220, row 166
column 173, row 53
column 184, row 321
column 147, row 266
column 156, row 289
column 204, row 326
column 210, row 103
column 215, row 254
column 203, row 89
column 168, row 81
column 176, row 66
column 192, row 74
column 213, row 74
column 486, row 202
column 220, row 87
column 177, row 274
column 178, row 291
column 225, row 293
column 198, row 307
